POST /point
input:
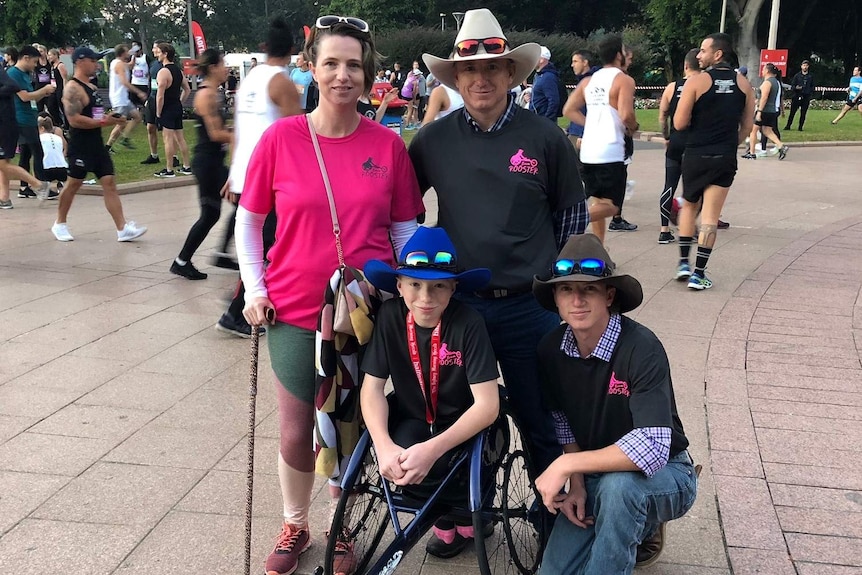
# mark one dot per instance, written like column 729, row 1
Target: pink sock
column 465, row 531
column 447, row 536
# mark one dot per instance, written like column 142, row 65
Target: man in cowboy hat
column 457, row 396
column 606, row 379
column 509, row 195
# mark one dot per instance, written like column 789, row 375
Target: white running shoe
column 130, row 232
column 61, row 232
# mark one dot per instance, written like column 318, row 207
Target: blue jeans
column 628, row 507
column 516, row 325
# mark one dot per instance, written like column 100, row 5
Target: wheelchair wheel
column 359, row 523
column 515, row 547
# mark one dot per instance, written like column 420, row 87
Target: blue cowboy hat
column 428, row 255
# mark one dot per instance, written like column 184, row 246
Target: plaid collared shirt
column 501, row 122
column 647, row 447
column 567, row 222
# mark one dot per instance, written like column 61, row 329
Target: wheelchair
column 497, row 472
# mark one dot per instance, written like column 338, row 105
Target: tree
column 678, row 26
column 746, row 14
column 51, row 22
column 385, row 15
column 145, row 20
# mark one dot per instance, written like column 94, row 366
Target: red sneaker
column 344, row 562
column 291, row 543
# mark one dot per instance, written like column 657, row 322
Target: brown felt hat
column 588, row 247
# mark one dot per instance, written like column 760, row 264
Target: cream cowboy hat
column 481, row 25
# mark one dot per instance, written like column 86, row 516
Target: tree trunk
column 747, row 13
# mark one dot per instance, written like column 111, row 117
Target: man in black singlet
column 42, row 74
column 172, row 90
column 58, row 80
column 717, row 107
column 150, row 107
column 674, row 143
column 85, row 113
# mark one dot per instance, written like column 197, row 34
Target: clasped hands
column 572, row 504
column 406, row 466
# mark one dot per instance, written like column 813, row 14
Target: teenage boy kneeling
column 606, row 379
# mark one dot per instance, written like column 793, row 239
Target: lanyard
column 434, row 375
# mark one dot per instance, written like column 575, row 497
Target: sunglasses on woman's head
column 471, row 47
column 587, row 266
column 443, row 260
column 329, row 21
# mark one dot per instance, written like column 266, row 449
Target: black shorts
column 8, row 141
column 701, row 171
column 135, row 99
column 171, row 118
column 768, row 120
column 606, row 181
column 89, row 156
column 150, row 111
column 55, row 174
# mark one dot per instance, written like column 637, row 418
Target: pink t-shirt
column 373, row 183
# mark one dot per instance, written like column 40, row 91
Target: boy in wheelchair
column 438, row 353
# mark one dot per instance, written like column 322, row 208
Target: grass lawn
column 817, row 129
column 127, row 163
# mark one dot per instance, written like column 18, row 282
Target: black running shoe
column 223, row 260
column 151, row 160
column 237, row 327
column 165, row 173
column 188, row 271
column 666, row 238
column 176, row 162
column 621, row 226
column 26, row 192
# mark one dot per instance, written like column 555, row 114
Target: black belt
column 500, row 293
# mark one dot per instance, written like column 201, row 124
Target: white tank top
column 141, row 71
column 604, row 134
column 456, row 102
column 52, row 146
column 118, row 93
column 254, row 112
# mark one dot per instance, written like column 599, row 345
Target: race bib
column 98, row 112
column 33, row 105
column 300, row 88
column 44, row 78
column 138, row 73
column 154, row 84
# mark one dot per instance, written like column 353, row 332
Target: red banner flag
column 200, row 41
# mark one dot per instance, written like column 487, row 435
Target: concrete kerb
column 141, row 186
column 658, row 139
column 180, row 181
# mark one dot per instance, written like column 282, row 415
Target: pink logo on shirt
column 450, row 357
column 618, row 387
column 372, row 170
column 521, row 164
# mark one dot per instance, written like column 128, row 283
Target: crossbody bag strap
column 336, row 229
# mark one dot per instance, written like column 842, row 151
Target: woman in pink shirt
column 377, row 200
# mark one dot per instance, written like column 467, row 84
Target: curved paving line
column 754, row 538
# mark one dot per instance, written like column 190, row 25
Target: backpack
column 409, row 88
column 563, row 94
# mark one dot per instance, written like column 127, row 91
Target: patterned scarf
column 343, row 329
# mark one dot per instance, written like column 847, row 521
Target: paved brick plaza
column 123, row 413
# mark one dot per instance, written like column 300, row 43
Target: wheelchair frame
column 489, row 485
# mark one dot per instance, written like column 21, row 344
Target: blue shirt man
column 545, row 100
